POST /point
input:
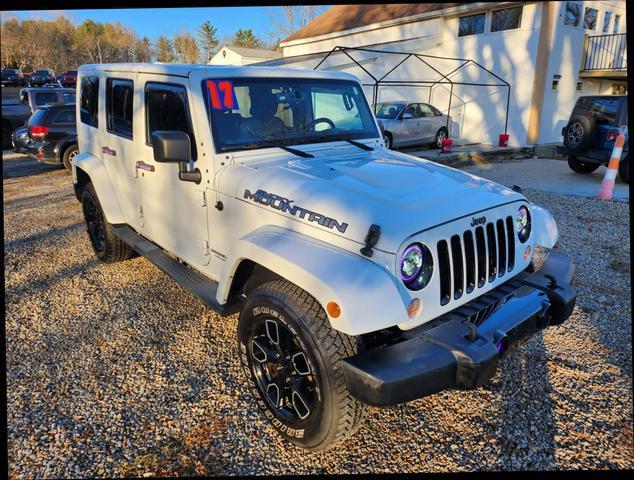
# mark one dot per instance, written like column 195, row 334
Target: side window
column 65, row 116
column 166, row 108
column 89, row 100
column 413, row 109
column 119, row 96
column 45, row 98
column 69, row 98
column 426, row 110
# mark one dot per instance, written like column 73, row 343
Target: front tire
column 387, row 139
column 107, row 246
column 578, row 166
column 291, row 357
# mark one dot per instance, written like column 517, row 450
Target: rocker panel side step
column 187, row 278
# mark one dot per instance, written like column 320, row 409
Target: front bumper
column 453, row 352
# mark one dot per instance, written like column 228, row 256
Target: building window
column 590, row 18
column 471, row 24
column 619, row 89
column 506, row 19
column 617, row 20
column 573, row 14
column 606, row 21
column 579, row 86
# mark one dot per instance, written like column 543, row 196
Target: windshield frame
column 275, row 142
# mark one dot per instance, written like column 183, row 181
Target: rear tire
column 624, row 169
column 578, row 166
column 280, row 321
column 69, row 155
column 107, row 246
column 441, row 134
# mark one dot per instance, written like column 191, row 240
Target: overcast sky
column 152, row 22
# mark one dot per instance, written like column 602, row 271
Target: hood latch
column 371, row 239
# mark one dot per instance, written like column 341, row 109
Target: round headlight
column 523, row 223
column 416, row 266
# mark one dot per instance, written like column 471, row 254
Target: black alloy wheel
column 94, row 224
column 283, row 371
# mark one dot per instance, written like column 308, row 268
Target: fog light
column 527, row 253
column 413, row 308
column 333, row 309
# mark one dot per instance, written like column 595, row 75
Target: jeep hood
column 400, row 193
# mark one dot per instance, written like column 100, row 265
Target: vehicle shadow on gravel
column 23, row 166
column 527, row 442
column 43, row 236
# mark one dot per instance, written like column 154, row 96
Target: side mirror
column 406, row 115
column 23, row 98
column 175, row 147
column 171, row 146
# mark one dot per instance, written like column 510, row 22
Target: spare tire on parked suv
column 580, row 132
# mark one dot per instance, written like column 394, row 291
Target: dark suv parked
column 12, row 77
column 40, row 77
column 591, row 131
column 49, row 135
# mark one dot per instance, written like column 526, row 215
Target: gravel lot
column 113, row 370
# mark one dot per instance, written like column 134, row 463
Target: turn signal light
column 413, row 308
column 333, row 309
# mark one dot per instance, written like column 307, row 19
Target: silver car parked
column 406, row 123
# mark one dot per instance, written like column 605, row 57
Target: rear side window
column 45, row 98
column 166, row 109
column 119, row 96
column 604, row 110
column 89, row 100
column 65, row 116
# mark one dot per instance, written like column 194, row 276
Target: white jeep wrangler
column 363, row 276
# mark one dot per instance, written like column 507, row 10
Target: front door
column 175, row 211
column 119, row 146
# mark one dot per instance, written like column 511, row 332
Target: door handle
column 108, row 151
column 144, row 166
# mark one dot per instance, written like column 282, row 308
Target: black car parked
column 49, row 135
column 40, row 77
column 591, row 131
column 12, row 77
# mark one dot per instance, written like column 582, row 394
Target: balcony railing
column 606, row 52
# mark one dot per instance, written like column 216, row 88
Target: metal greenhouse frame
column 443, row 79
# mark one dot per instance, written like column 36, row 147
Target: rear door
column 428, row 122
column 175, row 211
column 119, row 131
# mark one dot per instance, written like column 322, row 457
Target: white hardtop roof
column 184, row 70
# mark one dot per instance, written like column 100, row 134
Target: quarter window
column 572, row 16
column 119, row 97
column 166, row 109
column 506, row 19
column 65, row 116
column 471, row 24
column 89, row 100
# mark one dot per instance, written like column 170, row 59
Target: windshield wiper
column 358, row 144
column 273, row 142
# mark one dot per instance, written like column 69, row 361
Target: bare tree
column 186, row 48
column 165, row 50
column 143, row 50
column 286, row 20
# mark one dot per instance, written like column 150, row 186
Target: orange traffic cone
column 607, row 186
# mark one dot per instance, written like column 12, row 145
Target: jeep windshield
column 250, row 113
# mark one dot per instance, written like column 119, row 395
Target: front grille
column 467, row 262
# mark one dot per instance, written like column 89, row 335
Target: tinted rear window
column 41, row 72
column 88, row 100
column 604, row 110
column 45, row 98
column 71, row 72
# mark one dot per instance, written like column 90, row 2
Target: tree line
column 60, row 44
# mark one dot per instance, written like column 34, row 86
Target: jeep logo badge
column 478, row 221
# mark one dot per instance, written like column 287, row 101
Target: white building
column 242, row 56
column 550, row 53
